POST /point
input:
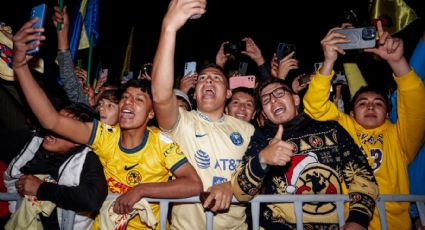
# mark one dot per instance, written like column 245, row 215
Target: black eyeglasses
column 277, row 93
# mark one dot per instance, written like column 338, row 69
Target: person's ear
column 151, row 114
column 228, row 93
column 296, row 99
column 352, row 113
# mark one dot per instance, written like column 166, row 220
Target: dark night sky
column 268, row 22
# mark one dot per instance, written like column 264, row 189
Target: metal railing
column 298, row 200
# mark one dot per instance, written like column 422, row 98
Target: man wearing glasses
column 294, row 154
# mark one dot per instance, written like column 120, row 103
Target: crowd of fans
column 163, row 136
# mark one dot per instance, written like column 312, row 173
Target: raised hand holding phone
column 21, row 45
column 188, row 82
column 283, row 49
column 196, row 16
column 287, row 64
column 278, row 152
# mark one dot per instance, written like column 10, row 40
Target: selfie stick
column 59, row 26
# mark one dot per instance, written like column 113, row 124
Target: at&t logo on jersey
column 202, row 159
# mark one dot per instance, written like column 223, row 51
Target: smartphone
column 242, row 81
column 234, row 47
column 39, row 12
column 243, row 68
column 283, row 49
column 189, row 67
column 147, row 68
column 360, row 38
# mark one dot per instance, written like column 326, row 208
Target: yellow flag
column 128, row 53
column 354, row 77
column 84, row 40
column 395, row 14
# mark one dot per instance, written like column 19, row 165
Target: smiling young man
column 294, row 154
column 213, row 142
column 388, row 147
column 242, row 104
column 138, row 160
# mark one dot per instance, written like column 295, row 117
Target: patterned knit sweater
column 325, row 161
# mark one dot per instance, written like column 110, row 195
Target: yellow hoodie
column 389, row 147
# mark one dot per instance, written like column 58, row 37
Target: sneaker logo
column 126, row 168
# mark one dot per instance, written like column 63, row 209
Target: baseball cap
column 181, row 94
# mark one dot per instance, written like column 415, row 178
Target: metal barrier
column 298, row 200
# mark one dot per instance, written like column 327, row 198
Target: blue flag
column 84, row 24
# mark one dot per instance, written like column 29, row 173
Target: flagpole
column 90, row 59
column 59, row 25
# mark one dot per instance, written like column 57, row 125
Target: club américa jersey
column 214, row 148
column 153, row 160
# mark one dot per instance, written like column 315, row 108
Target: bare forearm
column 178, row 188
column 63, row 42
column 165, row 103
column 163, row 67
column 400, row 68
column 327, row 67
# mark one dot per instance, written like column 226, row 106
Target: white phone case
column 189, row 67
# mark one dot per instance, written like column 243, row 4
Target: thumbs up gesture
column 278, row 152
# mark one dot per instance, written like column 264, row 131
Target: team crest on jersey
column 202, row 159
column 133, row 178
column 315, row 141
column 236, row 138
column 306, row 175
column 318, row 179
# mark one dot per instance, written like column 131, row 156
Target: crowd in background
column 69, row 143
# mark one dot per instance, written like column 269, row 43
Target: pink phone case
column 242, row 81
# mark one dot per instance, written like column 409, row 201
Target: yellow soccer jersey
column 214, row 149
column 153, row 160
